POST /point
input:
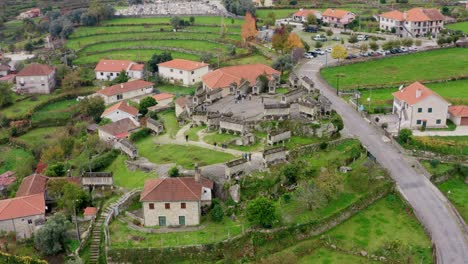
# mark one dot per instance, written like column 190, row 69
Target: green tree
column 145, row 103
column 152, row 64
column 121, row 78
column 339, row 52
column 353, row 39
column 29, row 47
column 310, row 195
column 270, row 19
column 373, row 45
column 192, row 20
column 72, row 198
column 363, row 47
column 291, row 172
column 405, row 136
column 261, row 212
column 7, row 94
column 279, row 39
column 72, row 80
column 407, row 42
column 173, row 172
column 329, row 33
column 318, row 44
column 445, row 11
column 175, row 22
column 329, row 183
column 311, row 19
column 51, row 238
column 217, row 213
column 92, row 107
column 283, row 63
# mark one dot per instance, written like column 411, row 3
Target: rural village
column 233, row 131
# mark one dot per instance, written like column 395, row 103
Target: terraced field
column 139, row 38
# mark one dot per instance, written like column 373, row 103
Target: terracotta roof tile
column 125, row 87
column 36, row 69
column 137, row 67
column 181, row 64
column 88, row 211
column 163, row 96
column 409, row 93
column 122, row 106
column 32, row 184
column 113, row 65
column 338, row 13
column 394, row 15
column 4, row 67
column 8, row 77
column 182, row 101
column 420, row 14
column 223, row 77
column 120, row 128
column 22, row 206
column 174, row 189
column 459, row 110
column 305, row 12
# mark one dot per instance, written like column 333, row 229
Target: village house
column 36, row 78
column 419, row 106
column 117, row 130
column 127, row 148
column 459, row 115
column 337, row 17
column 23, row 215
column 119, row 111
column 279, row 136
column 163, row 99
column 302, row 14
column 274, row 155
column 4, row 70
column 185, row 72
column 228, row 78
column 415, row 22
column 89, row 213
column 33, row 184
column 125, row 91
column 235, row 168
column 10, row 78
column 175, row 201
column 183, row 106
column 32, row 13
column 108, row 70
column 155, row 126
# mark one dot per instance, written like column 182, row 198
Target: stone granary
column 231, row 125
column 155, row 126
column 276, row 111
column 97, row 179
column 325, row 106
column 126, row 147
column 235, row 168
column 294, row 81
column 245, row 140
column 292, row 96
column 308, row 84
column 278, row 136
column 271, row 86
column 210, row 119
column 308, row 107
column 274, row 155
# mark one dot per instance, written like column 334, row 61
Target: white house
column 185, row 72
column 36, row 78
column 415, row 22
column 419, row 106
column 175, row 201
column 119, row 111
column 337, row 17
column 108, row 70
column 459, row 115
column 125, row 91
column 302, row 14
column 117, row 130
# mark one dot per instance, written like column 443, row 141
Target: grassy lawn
column 463, row 26
column 41, row 136
column 282, row 90
column 23, row 107
column 248, row 60
column 456, row 145
column 199, row 20
column 192, row 132
column 175, row 89
column 279, row 13
column 401, row 69
column 458, row 194
column 12, row 158
column 225, row 138
column 185, row 156
column 297, row 141
column 124, row 237
column 59, row 110
column 126, row 178
column 170, row 122
column 328, row 256
column 384, row 223
column 439, row 169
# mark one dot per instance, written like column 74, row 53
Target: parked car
column 362, row 37
column 320, row 38
column 413, row 49
column 313, row 53
column 364, row 54
column 404, row 49
column 310, row 29
column 336, row 38
column 308, row 56
column 328, row 50
column 351, row 56
column 319, row 51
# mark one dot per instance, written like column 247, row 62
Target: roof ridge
column 29, row 202
column 152, row 189
column 188, row 187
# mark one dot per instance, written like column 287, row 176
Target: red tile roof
column 4, row 67
column 88, row 211
column 338, row 13
column 137, row 67
column 394, row 15
column 305, row 12
column 163, row 96
column 174, row 189
column 122, row 106
column 36, row 69
column 181, row 64
column 113, row 65
column 22, row 206
column 8, row 77
column 182, row 101
column 459, row 110
column 408, row 94
column 120, row 128
column 421, row 14
column 32, row 184
column 124, row 87
column 223, row 77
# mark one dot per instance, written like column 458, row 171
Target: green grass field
column 463, row 26
column 451, row 145
column 185, row 156
column 192, row 132
column 23, row 107
column 421, row 66
column 328, row 256
column 174, row 89
column 458, row 194
column 125, row 178
column 279, row 13
column 40, row 137
column 58, row 110
column 12, row 158
column 199, row 20
column 170, row 122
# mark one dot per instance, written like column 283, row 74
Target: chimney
column 197, row 173
column 121, row 85
column 418, row 93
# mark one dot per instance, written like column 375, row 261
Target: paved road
column 447, row 229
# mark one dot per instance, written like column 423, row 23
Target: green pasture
column 463, row 26
column 457, row 192
column 199, row 20
column 126, row 178
column 12, row 158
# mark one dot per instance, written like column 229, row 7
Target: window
column 418, row 122
column 111, row 74
column 119, row 97
column 419, row 110
column 30, row 221
column 183, row 205
column 180, row 72
column 167, row 205
column 193, row 72
column 438, row 121
column 102, row 73
column 193, row 80
column 151, row 206
column 429, row 110
column 172, row 70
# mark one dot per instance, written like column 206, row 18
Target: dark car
column 313, row 53
column 351, row 56
column 310, row 29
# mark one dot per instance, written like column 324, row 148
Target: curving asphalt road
column 446, row 228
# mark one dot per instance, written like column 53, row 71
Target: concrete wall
column 191, row 213
column 187, row 78
column 277, row 138
column 36, row 84
column 21, row 226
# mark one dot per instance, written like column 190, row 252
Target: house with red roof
column 33, row 184
column 4, row 70
column 459, row 115
column 119, row 111
column 184, row 72
column 337, row 17
column 108, row 70
column 415, row 22
column 36, row 79
column 117, row 130
column 89, row 213
column 419, row 106
column 125, row 91
column 175, row 201
column 302, row 14
column 23, row 215
column 163, row 99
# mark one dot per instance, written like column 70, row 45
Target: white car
column 329, row 50
column 308, row 56
column 319, row 51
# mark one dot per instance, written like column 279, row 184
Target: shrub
column 286, row 197
column 142, row 133
column 136, row 222
column 262, row 212
column 434, row 163
column 56, row 170
column 323, row 145
column 217, row 213
column 173, row 172
column 405, row 135
column 101, row 161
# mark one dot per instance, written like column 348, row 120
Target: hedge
column 102, row 161
column 140, row 134
column 12, row 259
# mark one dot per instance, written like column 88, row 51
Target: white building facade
column 184, row 72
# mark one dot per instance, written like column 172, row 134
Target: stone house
column 302, row 14
column 459, row 115
column 235, row 168
column 117, row 130
column 325, row 105
column 183, row 105
column 155, row 126
column 278, row 136
column 307, row 83
column 23, row 215
column 163, row 99
column 294, row 81
column 108, row 70
column 415, row 22
column 126, row 147
column 4, row 70
column 119, row 111
column 125, row 91
column 10, row 78
column 337, row 17
column 230, row 125
column 185, row 72
column 97, row 179
column 175, row 201
column 36, row 79
column 308, row 108
column 274, row 155
column 419, row 106
column 32, row 184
